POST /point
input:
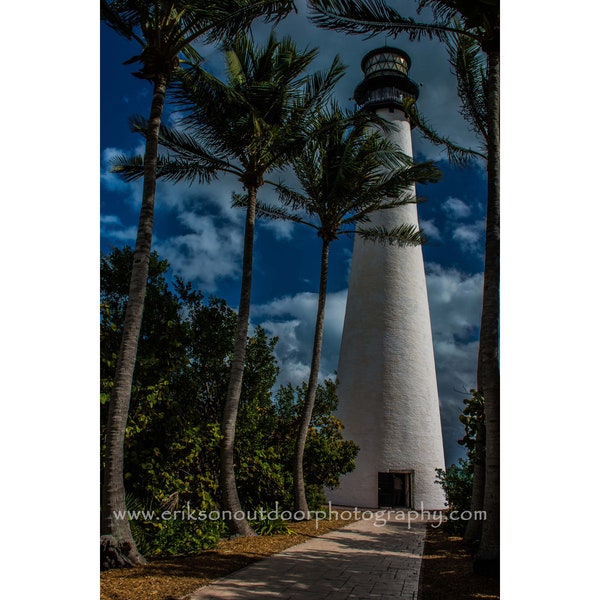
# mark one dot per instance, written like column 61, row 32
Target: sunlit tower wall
column 388, row 396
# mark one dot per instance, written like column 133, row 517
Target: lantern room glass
column 386, row 61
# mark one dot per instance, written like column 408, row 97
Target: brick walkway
column 360, row 561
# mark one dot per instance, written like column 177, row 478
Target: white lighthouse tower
column 388, row 397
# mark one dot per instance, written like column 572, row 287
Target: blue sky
column 201, row 235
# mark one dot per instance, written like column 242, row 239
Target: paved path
column 360, row 561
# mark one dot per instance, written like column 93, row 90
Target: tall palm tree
column 347, row 171
column 165, row 30
column 253, row 123
column 478, row 21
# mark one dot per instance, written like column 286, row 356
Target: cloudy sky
column 201, row 235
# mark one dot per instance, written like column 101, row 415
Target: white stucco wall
column 387, row 383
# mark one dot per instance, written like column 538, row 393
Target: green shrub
column 170, row 537
column 176, row 537
column 272, row 527
column 315, row 497
column 457, row 482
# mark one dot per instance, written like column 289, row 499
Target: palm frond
column 442, row 10
column 470, row 68
column 348, row 170
column 187, row 148
column 402, row 235
column 165, row 29
column 177, row 169
column 238, row 15
column 481, row 18
column 371, row 17
column 190, row 55
column 320, row 85
column 423, row 173
column 372, row 200
column 200, row 95
column 289, row 197
column 267, row 211
column 265, row 104
column 122, row 17
column 456, row 154
column 131, row 168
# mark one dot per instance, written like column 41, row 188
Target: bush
column 457, row 482
column 171, row 537
column 315, row 497
column 272, row 527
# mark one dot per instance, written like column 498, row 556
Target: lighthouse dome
column 386, row 81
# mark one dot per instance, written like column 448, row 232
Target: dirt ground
column 446, row 571
column 176, row 578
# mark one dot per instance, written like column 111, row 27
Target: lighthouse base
column 392, row 488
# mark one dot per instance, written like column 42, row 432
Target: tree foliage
column 180, row 383
column 457, row 479
column 473, row 420
column 327, row 454
column 457, row 483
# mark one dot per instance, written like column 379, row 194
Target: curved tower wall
column 387, row 382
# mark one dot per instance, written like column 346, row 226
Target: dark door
column 385, row 483
column 401, row 490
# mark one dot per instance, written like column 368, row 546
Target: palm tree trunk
column 300, row 503
column 487, row 559
column 238, row 525
column 113, row 492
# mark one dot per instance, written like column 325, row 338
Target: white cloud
column 282, row 230
column 456, row 208
column 430, row 229
column 292, row 371
column 470, row 236
column 454, row 300
column 212, row 250
column 112, row 228
column 110, row 220
column 292, row 319
column 213, row 198
column 455, row 307
column 286, row 332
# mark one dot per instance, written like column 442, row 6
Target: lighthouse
column 388, row 397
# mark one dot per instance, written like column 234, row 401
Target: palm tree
column 253, row 123
column 165, row 30
column 347, row 171
column 477, row 21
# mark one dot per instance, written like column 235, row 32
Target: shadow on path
column 359, row 561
